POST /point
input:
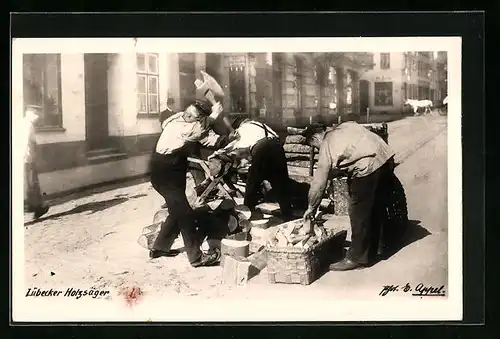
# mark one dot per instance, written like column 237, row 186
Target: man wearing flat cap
column 350, row 148
column 169, row 165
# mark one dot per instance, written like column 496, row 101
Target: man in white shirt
column 257, row 142
column 169, row 166
column 33, row 195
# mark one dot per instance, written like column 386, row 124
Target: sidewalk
column 92, row 240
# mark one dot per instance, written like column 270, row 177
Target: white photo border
column 280, row 310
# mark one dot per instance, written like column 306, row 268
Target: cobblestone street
column 91, row 241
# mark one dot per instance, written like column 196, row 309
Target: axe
column 210, row 88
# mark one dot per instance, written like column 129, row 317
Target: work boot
column 153, row 254
column 345, row 265
column 210, row 258
column 41, row 210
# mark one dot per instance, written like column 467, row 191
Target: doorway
column 364, row 95
column 96, row 101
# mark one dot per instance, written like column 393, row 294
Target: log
column 295, row 139
column 300, row 157
column 229, row 270
column 268, row 207
column 238, row 270
column 234, row 248
column 294, row 131
column 243, row 212
column 301, row 163
column 294, row 148
column 221, row 204
column 259, row 260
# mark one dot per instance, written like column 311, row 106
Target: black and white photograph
column 236, row 179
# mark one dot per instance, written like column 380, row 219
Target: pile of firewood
column 293, row 234
column 297, row 152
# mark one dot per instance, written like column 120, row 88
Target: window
column 330, row 90
column 298, row 82
column 385, row 60
column 147, row 83
column 42, row 87
column 383, row 94
column 348, row 92
column 237, row 88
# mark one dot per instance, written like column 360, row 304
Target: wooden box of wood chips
column 339, row 194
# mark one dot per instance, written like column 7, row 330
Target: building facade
column 442, row 75
column 397, row 77
column 100, row 112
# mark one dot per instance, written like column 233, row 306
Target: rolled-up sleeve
column 320, row 179
column 199, row 130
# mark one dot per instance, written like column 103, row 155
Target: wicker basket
column 301, row 266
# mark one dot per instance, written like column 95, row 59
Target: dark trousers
column 33, row 195
column 367, row 212
column 268, row 162
column 168, row 177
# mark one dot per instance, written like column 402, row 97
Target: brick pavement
column 92, row 240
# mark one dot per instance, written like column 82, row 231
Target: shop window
column 187, row 77
column 385, row 60
column 237, row 88
column 383, row 94
column 348, row 88
column 147, row 83
column 42, row 87
column 330, row 90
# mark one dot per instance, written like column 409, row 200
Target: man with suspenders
column 258, row 142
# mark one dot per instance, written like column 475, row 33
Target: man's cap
column 313, row 129
column 203, row 106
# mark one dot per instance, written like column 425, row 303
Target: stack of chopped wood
column 297, row 153
column 292, row 234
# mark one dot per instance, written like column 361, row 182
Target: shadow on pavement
column 413, row 232
column 63, row 197
column 92, row 207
